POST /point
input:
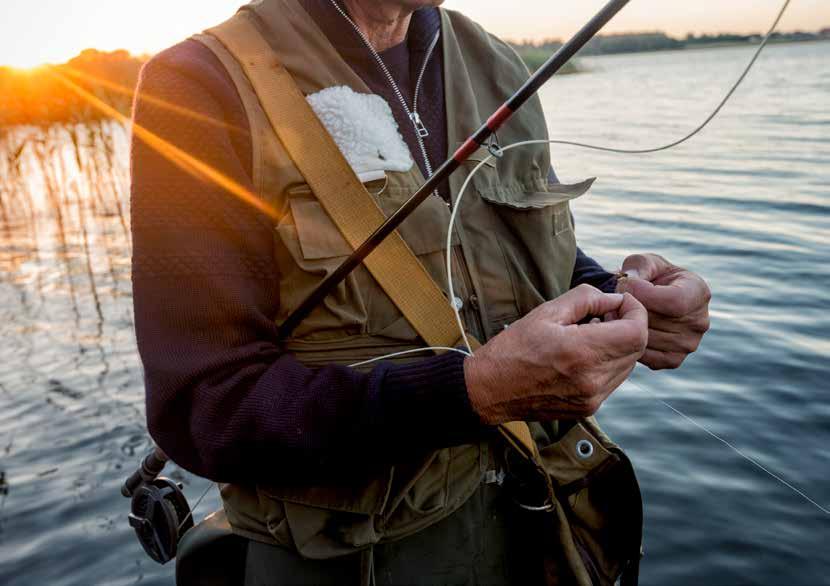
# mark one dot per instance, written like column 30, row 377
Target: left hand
column 677, row 301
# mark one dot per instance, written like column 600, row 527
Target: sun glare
column 31, row 62
column 28, row 70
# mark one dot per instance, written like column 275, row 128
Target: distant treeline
column 44, row 96
column 535, row 53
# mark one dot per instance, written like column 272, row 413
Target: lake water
column 746, row 204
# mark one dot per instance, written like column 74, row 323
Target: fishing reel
column 159, row 511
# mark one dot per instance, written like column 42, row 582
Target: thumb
column 645, row 266
column 579, row 303
column 635, row 286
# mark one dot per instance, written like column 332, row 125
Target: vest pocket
column 596, row 486
column 309, row 246
column 539, row 244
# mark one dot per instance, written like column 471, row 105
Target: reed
column 63, row 220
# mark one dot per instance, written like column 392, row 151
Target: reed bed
column 64, row 221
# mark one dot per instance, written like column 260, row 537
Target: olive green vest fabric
column 515, row 248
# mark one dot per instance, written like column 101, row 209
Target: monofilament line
column 743, row 455
column 198, row 502
column 706, row 122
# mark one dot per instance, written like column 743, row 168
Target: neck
column 384, row 24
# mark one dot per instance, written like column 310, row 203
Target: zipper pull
column 419, row 125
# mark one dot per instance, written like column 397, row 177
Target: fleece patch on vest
column 364, row 129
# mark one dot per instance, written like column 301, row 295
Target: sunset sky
column 54, row 30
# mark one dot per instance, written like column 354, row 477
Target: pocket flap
column 576, row 456
column 556, row 193
column 318, row 235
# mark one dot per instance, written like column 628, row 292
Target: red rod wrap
column 499, row 117
column 465, row 150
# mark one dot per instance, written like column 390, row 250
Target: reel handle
column 150, row 468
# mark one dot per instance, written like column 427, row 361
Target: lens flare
column 177, row 156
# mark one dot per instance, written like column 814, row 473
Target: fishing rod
column 476, row 140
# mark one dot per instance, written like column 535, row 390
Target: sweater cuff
column 427, row 401
column 610, row 284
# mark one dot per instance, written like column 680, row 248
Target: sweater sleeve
column 587, row 270
column 222, row 401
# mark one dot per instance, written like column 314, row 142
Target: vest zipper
column 421, row 131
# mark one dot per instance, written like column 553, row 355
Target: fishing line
column 688, row 418
column 706, row 122
column 498, row 151
column 743, row 455
column 198, row 502
column 415, row 351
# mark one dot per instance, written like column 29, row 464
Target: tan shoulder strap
column 350, row 206
column 342, row 195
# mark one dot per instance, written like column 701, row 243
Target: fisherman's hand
column 677, row 301
column 546, row 366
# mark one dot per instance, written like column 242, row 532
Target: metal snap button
column 457, row 303
column 584, row 449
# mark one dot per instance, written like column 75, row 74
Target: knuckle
column 689, row 344
column 707, row 292
column 591, row 407
column 637, row 259
column 586, row 289
column 676, row 306
column 585, row 386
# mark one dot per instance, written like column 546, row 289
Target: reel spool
column 159, row 512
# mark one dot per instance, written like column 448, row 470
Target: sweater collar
column 422, row 28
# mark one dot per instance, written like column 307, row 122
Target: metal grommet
column 584, row 449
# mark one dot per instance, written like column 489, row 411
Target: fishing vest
column 514, row 248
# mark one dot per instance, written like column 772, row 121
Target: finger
column 622, row 337
column 631, row 309
column 579, row 303
column 682, row 343
column 646, row 266
column 697, row 322
column 657, row 360
column 685, row 294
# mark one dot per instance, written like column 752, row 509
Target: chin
column 416, row 4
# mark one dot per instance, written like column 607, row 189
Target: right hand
column 545, row 366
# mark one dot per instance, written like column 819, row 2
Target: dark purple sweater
column 222, row 400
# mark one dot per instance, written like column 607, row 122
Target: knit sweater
column 223, row 401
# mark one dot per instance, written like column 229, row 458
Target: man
column 323, row 460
